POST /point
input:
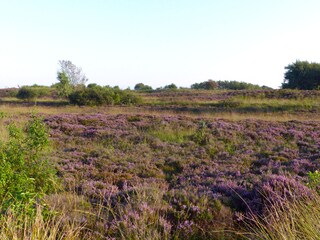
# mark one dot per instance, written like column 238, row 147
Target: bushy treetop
column 302, row 75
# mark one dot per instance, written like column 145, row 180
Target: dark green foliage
column 302, row 75
column 171, row 86
column 33, row 92
column 97, row 96
column 127, row 98
column 92, row 85
column 235, row 85
column 208, row 85
column 24, row 174
column 27, row 93
column 142, row 87
column 91, row 96
column 230, row 85
column 42, row 91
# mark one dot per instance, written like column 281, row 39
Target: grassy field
column 181, row 165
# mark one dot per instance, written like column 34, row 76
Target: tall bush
column 25, row 175
column 27, row 93
column 97, row 96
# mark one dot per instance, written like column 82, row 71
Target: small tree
column 73, row 73
column 70, row 78
column 64, row 87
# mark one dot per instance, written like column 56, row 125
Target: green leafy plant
column 314, row 179
column 200, row 136
column 24, row 173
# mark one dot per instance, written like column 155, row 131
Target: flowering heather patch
column 213, row 172
column 209, row 95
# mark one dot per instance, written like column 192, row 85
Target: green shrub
column 142, row 87
column 171, row 86
column 24, row 174
column 27, row 93
column 89, row 96
column 97, row 95
column 208, row 85
column 42, row 91
column 200, row 137
column 127, row 98
column 231, row 85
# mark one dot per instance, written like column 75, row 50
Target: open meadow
column 180, row 164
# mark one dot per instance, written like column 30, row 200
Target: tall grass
column 20, row 226
column 173, row 134
column 291, row 220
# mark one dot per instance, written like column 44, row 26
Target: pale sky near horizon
column 156, row 42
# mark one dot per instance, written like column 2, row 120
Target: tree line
column 72, row 86
column 301, row 75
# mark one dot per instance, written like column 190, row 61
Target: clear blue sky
column 156, row 42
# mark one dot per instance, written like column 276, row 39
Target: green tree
column 64, row 87
column 142, row 87
column 74, row 74
column 171, row 86
column 302, row 75
column 70, row 78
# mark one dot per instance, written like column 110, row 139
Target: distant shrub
column 42, row 91
column 208, row 85
column 142, row 87
column 27, row 93
column 128, row 98
column 97, row 96
column 228, row 85
column 235, row 85
column 90, row 96
column 171, row 86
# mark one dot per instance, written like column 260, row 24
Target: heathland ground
column 180, row 164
